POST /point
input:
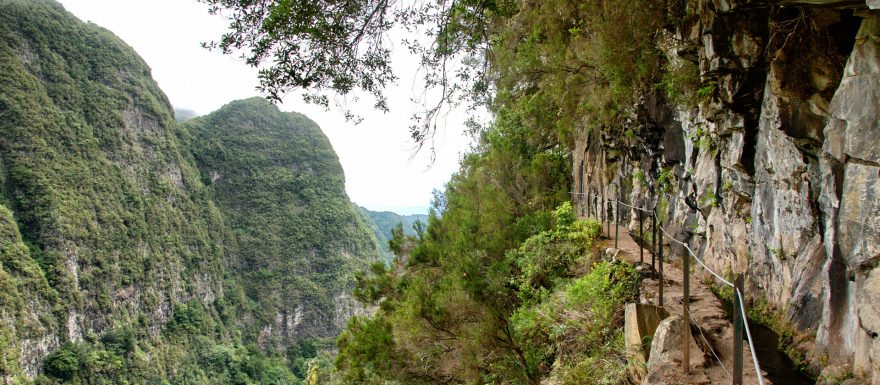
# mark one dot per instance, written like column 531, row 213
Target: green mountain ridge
column 280, row 186
column 384, row 222
column 122, row 260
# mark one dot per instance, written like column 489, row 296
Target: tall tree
column 341, row 46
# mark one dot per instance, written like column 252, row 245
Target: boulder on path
column 664, row 361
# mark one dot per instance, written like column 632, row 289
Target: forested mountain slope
column 750, row 127
column 281, row 190
column 384, row 224
column 112, row 213
column 121, row 256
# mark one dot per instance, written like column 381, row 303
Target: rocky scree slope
column 771, row 168
column 107, row 222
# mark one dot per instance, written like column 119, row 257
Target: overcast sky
column 376, row 154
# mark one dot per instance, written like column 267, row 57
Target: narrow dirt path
column 713, row 329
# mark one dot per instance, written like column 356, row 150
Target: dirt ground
column 710, row 325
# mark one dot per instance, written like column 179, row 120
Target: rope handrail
column 749, row 335
column 691, row 252
column 706, row 341
column 716, row 275
column 634, row 207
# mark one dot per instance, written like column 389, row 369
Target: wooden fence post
column 653, row 243
column 616, row 223
column 738, row 331
column 607, row 219
column 591, row 212
column 686, row 300
column 641, row 239
column 593, row 206
column 660, row 261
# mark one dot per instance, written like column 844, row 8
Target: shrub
column 681, row 82
column 62, row 363
column 563, row 217
column 578, row 328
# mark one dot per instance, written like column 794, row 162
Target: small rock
column 611, row 254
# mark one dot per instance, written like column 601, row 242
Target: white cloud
column 376, row 154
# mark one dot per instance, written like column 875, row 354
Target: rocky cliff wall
column 773, row 169
column 108, row 225
column 102, row 197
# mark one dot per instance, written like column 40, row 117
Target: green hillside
column 122, row 260
column 281, row 189
column 383, row 224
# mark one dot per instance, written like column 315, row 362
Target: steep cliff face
column 28, row 328
column 281, row 189
column 137, row 248
column 771, row 167
column 106, row 204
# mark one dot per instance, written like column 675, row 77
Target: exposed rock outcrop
column 777, row 174
column 664, row 360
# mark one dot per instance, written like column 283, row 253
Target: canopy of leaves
column 346, row 45
column 337, row 44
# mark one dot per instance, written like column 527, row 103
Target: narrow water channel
column 779, row 367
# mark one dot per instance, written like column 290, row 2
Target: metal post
column 616, row 222
column 592, row 212
column 660, row 261
column 641, row 239
column 686, row 300
column 738, row 332
column 590, row 205
column 607, row 220
column 595, row 206
column 653, row 244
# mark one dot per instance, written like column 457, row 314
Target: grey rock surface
column 778, row 176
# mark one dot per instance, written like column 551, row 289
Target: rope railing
column 708, row 345
column 739, row 295
column 691, row 252
column 749, row 334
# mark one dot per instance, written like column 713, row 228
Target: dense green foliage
column 501, row 287
column 450, row 315
column 280, row 187
column 385, row 223
column 121, row 261
column 23, row 286
column 117, row 222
